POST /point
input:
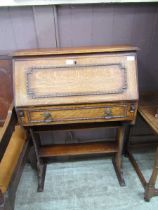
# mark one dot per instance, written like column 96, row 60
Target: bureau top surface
column 74, row 78
column 79, row 50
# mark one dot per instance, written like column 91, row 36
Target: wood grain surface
column 75, row 79
column 78, row 149
column 77, row 50
column 76, row 114
column 148, row 108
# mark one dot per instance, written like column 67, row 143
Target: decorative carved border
column 33, row 95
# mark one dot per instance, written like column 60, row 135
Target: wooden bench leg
column 126, row 139
column 1, row 198
column 150, row 189
column 117, row 160
column 5, row 202
column 41, row 166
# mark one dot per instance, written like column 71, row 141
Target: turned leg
column 150, row 190
column 41, row 166
column 117, row 160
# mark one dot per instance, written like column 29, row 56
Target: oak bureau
column 76, row 88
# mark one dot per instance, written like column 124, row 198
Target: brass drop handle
column 47, row 117
column 21, row 114
column 132, row 108
column 108, row 113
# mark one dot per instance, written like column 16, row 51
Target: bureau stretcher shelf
column 76, row 87
column 78, row 149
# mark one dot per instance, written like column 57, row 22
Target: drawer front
column 77, row 114
column 75, row 79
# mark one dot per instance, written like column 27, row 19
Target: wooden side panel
column 27, row 27
column 123, row 24
column 75, row 26
column 23, row 27
column 7, row 40
column 44, row 22
column 102, row 25
column 5, row 87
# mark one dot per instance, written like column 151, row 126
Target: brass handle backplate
column 47, row 117
column 108, row 113
column 21, row 114
column 132, row 108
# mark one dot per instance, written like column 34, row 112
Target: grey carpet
column 86, row 185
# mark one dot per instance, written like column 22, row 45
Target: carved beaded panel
column 75, row 79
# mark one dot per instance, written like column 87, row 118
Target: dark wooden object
column 6, row 93
column 76, row 88
column 7, row 199
column 7, row 130
column 147, row 109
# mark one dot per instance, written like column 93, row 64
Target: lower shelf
column 78, row 149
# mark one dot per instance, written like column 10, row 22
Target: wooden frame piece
column 7, row 199
column 117, row 160
column 78, row 149
column 7, row 130
column 149, row 186
column 41, row 166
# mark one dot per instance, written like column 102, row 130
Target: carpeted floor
column 86, row 185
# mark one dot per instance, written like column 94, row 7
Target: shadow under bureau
column 76, row 88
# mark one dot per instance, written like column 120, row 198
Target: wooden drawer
column 76, row 114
